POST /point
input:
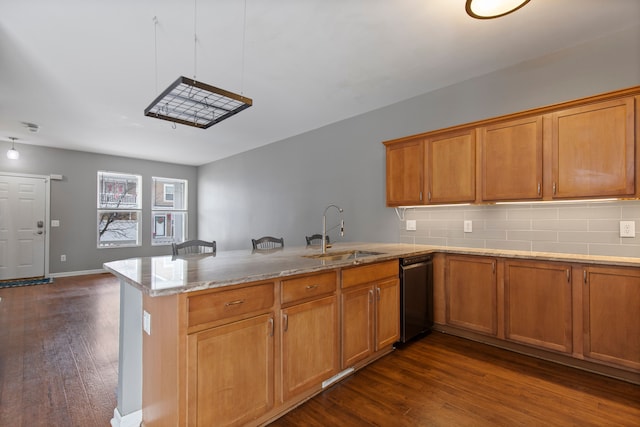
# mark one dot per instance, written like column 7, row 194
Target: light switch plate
column 146, row 322
column 627, row 229
column 468, row 226
column 411, row 224
column 55, row 223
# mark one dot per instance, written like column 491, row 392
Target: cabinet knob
column 285, row 322
column 554, row 188
column 539, row 188
column 310, row 287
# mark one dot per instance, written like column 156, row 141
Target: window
column 168, row 192
column 169, row 208
column 119, row 209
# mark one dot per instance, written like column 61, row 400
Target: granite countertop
column 167, row 275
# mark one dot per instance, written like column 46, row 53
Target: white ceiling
column 85, row 70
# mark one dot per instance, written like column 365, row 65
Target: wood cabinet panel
column 216, row 305
column 311, row 286
column 404, row 173
column 594, row 150
column 450, row 163
column 310, row 345
column 611, row 307
column 230, row 373
column 369, row 273
column 387, row 313
column 357, row 320
column 470, row 291
column 512, row 160
column 538, row 304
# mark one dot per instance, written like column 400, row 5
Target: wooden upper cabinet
column 404, row 173
column 594, row 150
column 511, row 160
column 450, row 167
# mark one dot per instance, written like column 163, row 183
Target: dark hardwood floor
column 59, row 362
column 59, row 352
column 442, row 380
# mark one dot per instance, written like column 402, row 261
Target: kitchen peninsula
column 241, row 337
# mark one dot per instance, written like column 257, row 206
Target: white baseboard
column 77, row 273
column 133, row 419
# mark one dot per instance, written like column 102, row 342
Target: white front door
column 22, row 227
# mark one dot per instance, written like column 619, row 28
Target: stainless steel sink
column 343, row 255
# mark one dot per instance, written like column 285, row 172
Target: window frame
column 176, row 220
column 111, row 202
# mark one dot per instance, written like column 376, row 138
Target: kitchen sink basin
column 343, row 255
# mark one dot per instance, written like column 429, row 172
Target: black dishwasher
column 416, row 296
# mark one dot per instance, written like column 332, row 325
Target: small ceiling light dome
column 488, row 9
column 13, row 154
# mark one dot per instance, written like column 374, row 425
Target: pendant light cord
column 155, row 41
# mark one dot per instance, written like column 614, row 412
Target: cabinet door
column 451, row 168
column 593, row 150
column 404, row 173
column 310, row 351
column 387, row 313
column 512, row 160
column 611, row 305
column 230, row 373
column 470, row 292
column 538, row 304
column 357, row 324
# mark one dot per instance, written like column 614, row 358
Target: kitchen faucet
column 324, row 226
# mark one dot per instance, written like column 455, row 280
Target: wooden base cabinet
column 310, row 351
column 230, row 374
column 471, row 293
column 538, row 304
column 611, row 308
column 370, row 308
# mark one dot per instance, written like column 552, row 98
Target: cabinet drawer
column 308, row 286
column 219, row 305
column 369, row 273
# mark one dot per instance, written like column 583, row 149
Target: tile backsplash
column 590, row 228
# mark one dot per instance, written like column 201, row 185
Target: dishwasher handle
column 416, row 260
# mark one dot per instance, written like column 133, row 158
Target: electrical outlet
column 627, row 229
column 146, row 322
column 63, row 258
column 468, row 226
column 411, row 224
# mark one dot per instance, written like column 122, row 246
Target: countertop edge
column 393, row 251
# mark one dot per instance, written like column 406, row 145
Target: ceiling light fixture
column 489, row 9
column 13, row 154
column 193, row 103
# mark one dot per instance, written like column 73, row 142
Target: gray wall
column 281, row 189
column 73, row 202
